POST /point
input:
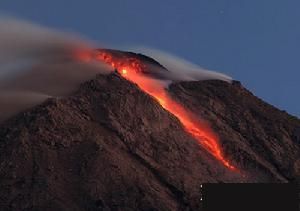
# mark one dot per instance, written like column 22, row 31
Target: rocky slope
column 110, row 146
column 263, row 140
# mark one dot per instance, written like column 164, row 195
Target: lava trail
column 130, row 68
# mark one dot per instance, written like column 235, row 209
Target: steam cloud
column 180, row 69
column 37, row 63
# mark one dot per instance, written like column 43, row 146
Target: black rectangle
column 231, row 197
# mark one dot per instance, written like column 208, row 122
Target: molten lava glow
column 130, row 69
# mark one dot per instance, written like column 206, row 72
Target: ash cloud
column 37, row 63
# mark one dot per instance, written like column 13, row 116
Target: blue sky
column 256, row 42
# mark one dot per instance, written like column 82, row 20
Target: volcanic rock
column 110, row 146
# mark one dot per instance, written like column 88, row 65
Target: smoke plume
column 37, row 63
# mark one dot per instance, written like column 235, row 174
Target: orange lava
column 130, row 67
column 193, row 126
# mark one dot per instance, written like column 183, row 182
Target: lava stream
column 130, row 68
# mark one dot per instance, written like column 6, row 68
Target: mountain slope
column 111, row 146
column 258, row 136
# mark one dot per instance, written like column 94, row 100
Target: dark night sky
column 256, row 42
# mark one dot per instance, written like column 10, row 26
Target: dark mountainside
column 110, row 146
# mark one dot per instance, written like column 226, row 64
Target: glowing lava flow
column 130, row 68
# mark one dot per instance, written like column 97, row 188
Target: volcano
column 116, row 144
